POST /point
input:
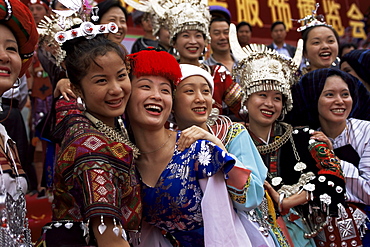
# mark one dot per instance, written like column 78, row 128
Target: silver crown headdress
column 57, row 29
column 260, row 68
column 177, row 15
column 47, row 29
column 312, row 20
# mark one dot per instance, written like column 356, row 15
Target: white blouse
column 357, row 180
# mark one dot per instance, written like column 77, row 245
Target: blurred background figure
column 144, row 20
column 278, row 35
column 244, row 33
column 357, row 63
column 346, row 48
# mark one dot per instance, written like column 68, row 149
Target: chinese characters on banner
column 262, row 13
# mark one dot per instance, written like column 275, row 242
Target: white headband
column 188, row 70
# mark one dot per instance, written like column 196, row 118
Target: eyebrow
column 194, row 83
column 12, row 41
column 103, row 75
column 161, row 83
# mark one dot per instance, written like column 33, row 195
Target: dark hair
column 359, row 60
column 106, row 5
column 307, row 91
column 243, row 23
column 82, row 52
column 277, row 23
column 308, row 30
column 344, row 46
column 219, row 20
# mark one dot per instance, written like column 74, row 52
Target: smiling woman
column 17, row 43
column 95, row 180
column 330, row 95
column 299, row 160
column 321, row 42
column 113, row 11
column 176, row 191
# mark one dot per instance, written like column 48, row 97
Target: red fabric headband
column 18, row 18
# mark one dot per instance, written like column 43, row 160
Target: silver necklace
column 117, row 135
column 155, row 150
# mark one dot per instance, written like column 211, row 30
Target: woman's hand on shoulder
column 63, row 88
column 321, row 137
column 194, row 133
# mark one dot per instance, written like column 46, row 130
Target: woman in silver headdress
column 310, row 185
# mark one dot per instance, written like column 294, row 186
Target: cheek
column 18, row 65
column 321, row 107
column 126, row 87
column 168, row 102
column 209, row 101
column 279, row 107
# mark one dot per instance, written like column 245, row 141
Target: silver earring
column 307, row 62
column 81, row 104
column 17, row 83
column 176, row 52
column 95, row 16
column 282, row 115
column 205, row 50
column 337, row 61
column 243, row 112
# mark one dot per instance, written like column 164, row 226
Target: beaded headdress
column 177, row 15
column 70, row 24
column 312, row 20
column 261, row 68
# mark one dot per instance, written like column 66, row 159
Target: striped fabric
column 357, row 179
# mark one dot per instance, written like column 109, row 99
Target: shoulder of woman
column 358, row 125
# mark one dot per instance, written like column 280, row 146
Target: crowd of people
column 171, row 144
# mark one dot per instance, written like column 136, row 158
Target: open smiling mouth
column 153, row 108
column 325, row 54
column 267, row 113
column 199, row 109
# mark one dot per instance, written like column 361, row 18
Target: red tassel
column 156, row 63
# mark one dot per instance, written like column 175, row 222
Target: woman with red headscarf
column 17, row 41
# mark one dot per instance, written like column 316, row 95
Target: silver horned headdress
column 260, row 68
column 176, row 15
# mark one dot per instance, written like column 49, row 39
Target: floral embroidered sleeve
column 210, row 159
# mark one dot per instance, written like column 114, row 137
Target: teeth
column 267, row 112
column 192, row 49
column 153, row 108
column 114, row 102
column 325, row 54
column 338, row 110
column 4, row 71
column 199, row 109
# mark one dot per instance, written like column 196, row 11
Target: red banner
column 262, row 13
